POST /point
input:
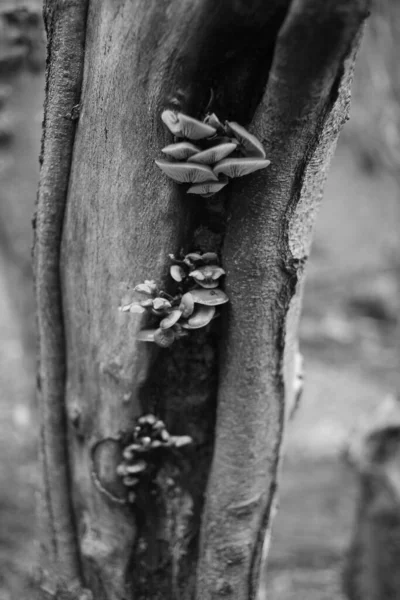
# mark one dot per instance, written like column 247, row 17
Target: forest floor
column 349, row 337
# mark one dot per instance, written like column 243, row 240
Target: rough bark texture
column 285, row 69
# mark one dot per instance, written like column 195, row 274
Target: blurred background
column 349, row 329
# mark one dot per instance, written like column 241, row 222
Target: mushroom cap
column 146, row 335
column 238, row 167
column 181, row 440
column 164, row 337
column 208, row 272
column 212, row 119
column 129, row 480
column 161, row 304
column 250, row 143
column 200, row 317
column 209, row 297
column 170, row 118
column 214, row 154
column 186, row 172
column 148, row 419
column 209, row 257
column 177, row 273
column 137, row 467
column 171, row 319
column 184, row 126
column 137, row 308
column 181, row 151
column 207, row 276
column 207, row 189
column 187, row 305
column 144, row 288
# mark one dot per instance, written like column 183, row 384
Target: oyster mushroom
column 164, row 337
column 187, row 305
column 200, row 317
column 207, row 189
column 238, row 167
column 177, row 273
column 209, row 297
column 186, row 172
column 171, row 319
column 213, row 155
column 182, row 125
column 148, row 287
column 209, row 257
column 161, row 304
column 212, row 119
column 146, row 335
column 249, row 142
column 207, row 276
column 181, row 151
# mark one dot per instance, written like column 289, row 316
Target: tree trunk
column 108, row 219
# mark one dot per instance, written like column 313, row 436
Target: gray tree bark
column 107, row 219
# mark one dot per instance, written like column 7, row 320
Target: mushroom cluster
column 193, row 306
column 219, row 152
column 140, row 454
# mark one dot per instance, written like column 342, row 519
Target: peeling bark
column 285, row 69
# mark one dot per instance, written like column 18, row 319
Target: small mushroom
column 146, row 335
column 147, row 419
column 164, row 435
column 209, row 297
column 217, row 140
column 171, row 319
column 250, row 143
column 200, row 318
column 181, row 440
column 184, row 126
column 146, row 303
column 130, row 481
column 187, row 305
column 171, row 119
column 145, row 288
column 164, row 337
column 207, row 276
column 161, row 304
column 186, row 172
column 136, row 307
column 207, row 189
column 137, row 467
column 238, row 167
column 209, row 257
column 177, row 273
column 191, row 258
column 213, row 155
column 181, row 151
column 212, row 119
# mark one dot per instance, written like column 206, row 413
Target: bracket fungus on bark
column 207, row 165
column 193, row 306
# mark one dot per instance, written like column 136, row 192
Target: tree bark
column 107, row 220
